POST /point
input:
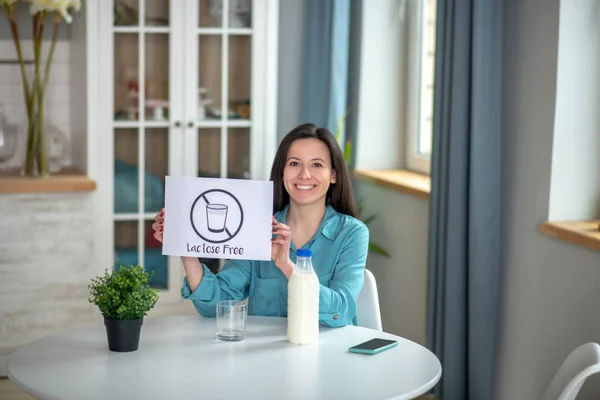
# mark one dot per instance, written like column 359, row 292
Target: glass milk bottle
column 303, row 301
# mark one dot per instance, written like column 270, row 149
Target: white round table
column 179, row 358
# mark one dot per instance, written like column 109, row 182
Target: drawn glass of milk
column 216, row 217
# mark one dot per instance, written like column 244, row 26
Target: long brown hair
column 340, row 194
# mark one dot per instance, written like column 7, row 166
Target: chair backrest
column 583, row 362
column 367, row 304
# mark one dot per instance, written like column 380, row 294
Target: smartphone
column 373, row 346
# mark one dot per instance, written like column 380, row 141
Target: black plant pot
column 123, row 335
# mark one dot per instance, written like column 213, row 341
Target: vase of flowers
column 44, row 12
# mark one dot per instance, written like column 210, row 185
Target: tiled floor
column 8, row 391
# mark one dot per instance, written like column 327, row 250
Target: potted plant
column 123, row 296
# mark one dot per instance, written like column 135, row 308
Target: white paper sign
column 218, row 218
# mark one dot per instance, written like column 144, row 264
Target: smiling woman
column 308, row 174
column 314, row 210
column 323, row 158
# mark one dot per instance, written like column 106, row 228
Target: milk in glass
column 303, row 301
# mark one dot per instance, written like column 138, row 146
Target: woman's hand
column 159, row 225
column 280, row 247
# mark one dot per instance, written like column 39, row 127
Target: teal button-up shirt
column 339, row 250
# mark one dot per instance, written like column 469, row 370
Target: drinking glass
column 231, row 320
column 216, row 215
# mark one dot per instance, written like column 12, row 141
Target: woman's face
column 308, row 173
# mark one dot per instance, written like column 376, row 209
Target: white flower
column 42, row 5
column 60, row 6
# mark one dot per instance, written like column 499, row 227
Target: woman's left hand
column 280, row 247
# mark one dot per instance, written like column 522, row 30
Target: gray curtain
column 465, row 202
column 325, row 91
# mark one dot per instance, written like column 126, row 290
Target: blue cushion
column 126, row 189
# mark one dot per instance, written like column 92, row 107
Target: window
column 421, row 47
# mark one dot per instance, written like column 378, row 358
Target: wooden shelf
column 67, row 180
column 581, row 233
column 408, row 182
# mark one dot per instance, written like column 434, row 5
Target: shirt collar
column 328, row 224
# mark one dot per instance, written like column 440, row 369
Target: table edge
column 410, row 395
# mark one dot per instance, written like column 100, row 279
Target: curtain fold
column 325, row 77
column 465, row 200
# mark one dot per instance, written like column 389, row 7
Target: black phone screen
column 374, row 344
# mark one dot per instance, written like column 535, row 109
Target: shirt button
column 335, row 317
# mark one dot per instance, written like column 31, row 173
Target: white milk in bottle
column 303, row 301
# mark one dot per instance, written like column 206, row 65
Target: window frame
column 417, row 53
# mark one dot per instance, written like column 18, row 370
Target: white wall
column 401, row 228
column 382, row 90
column 551, row 289
column 46, row 263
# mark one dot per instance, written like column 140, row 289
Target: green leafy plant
column 123, row 294
column 347, row 150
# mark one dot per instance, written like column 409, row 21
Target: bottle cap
column 304, row 253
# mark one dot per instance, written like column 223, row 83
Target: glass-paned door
column 221, row 104
column 211, row 13
column 145, row 147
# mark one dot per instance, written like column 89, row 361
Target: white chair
column 367, row 304
column 583, row 362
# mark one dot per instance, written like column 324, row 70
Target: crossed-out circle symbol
column 217, row 214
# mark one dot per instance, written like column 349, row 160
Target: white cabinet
column 187, row 88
